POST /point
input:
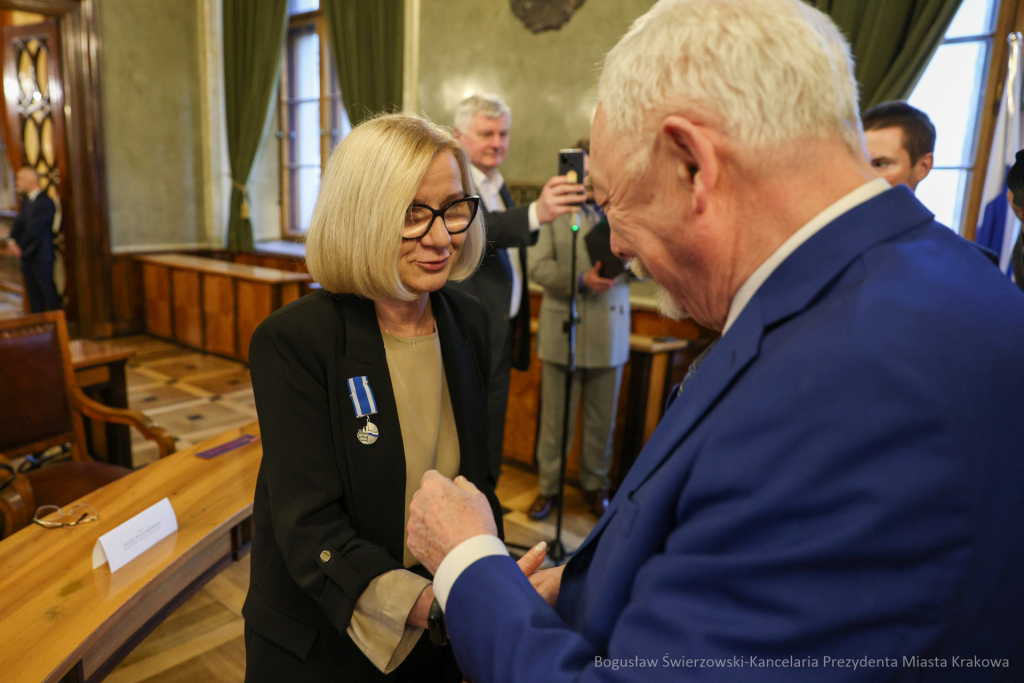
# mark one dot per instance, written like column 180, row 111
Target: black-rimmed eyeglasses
column 456, row 216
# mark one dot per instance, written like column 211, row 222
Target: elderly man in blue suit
column 837, row 493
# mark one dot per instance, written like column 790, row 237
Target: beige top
column 431, row 441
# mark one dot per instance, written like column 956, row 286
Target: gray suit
column 602, row 347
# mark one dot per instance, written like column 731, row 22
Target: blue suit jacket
column 842, row 479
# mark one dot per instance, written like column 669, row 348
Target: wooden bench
column 62, row 620
column 213, row 305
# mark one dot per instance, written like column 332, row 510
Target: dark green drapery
column 366, row 41
column 253, row 35
column 892, row 41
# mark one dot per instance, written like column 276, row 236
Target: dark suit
column 33, row 231
column 838, row 480
column 492, row 284
column 319, row 489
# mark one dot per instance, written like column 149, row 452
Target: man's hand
column 593, row 281
column 559, row 197
column 13, row 247
column 443, row 514
column 548, row 581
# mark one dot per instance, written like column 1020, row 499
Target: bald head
column 26, row 180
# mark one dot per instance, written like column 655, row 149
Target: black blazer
column 319, row 489
column 491, row 282
column 33, row 228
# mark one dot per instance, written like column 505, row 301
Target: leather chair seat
column 66, row 482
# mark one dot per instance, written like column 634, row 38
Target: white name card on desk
column 134, row 537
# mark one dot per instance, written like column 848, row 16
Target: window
column 312, row 117
column 950, row 92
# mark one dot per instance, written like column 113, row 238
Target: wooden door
column 33, row 126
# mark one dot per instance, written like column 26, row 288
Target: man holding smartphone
column 602, row 349
column 482, row 126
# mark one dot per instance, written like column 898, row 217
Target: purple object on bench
column 225, row 447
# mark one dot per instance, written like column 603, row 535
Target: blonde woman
column 360, row 389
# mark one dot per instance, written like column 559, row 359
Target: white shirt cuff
column 534, row 223
column 459, row 559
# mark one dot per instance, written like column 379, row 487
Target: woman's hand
column 420, row 611
column 547, row 582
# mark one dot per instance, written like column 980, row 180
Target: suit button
column 325, row 556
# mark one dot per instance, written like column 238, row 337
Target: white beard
column 668, row 306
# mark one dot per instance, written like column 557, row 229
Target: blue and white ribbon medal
column 362, row 400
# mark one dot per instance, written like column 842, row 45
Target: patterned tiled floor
column 10, row 305
column 192, row 395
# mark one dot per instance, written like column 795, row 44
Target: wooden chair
column 42, row 406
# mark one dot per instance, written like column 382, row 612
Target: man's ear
column 924, row 166
column 693, row 152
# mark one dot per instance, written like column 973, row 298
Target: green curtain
column 892, row 40
column 367, row 39
column 253, row 35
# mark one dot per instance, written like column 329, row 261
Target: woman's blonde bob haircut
column 371, row 179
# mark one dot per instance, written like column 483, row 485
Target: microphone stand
column 556, row 549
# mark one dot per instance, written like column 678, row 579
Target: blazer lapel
column 506, row 196
column 377, row 470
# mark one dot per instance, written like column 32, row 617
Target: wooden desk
column 62, row 620
column 213, row 305
column 100, row 372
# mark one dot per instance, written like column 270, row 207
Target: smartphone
column 570, row 163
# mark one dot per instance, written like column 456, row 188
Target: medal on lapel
column 365, row 406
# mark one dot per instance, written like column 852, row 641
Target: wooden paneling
column 523, row 409
column 186, row 290
column 129, row 297
column 219, row 314
column 266, row 260
column 255, row 302
column 290, row 293
column 292, row 264
column 653, row 324
column 222, row 319
column 656, row 391
column 157, row 297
